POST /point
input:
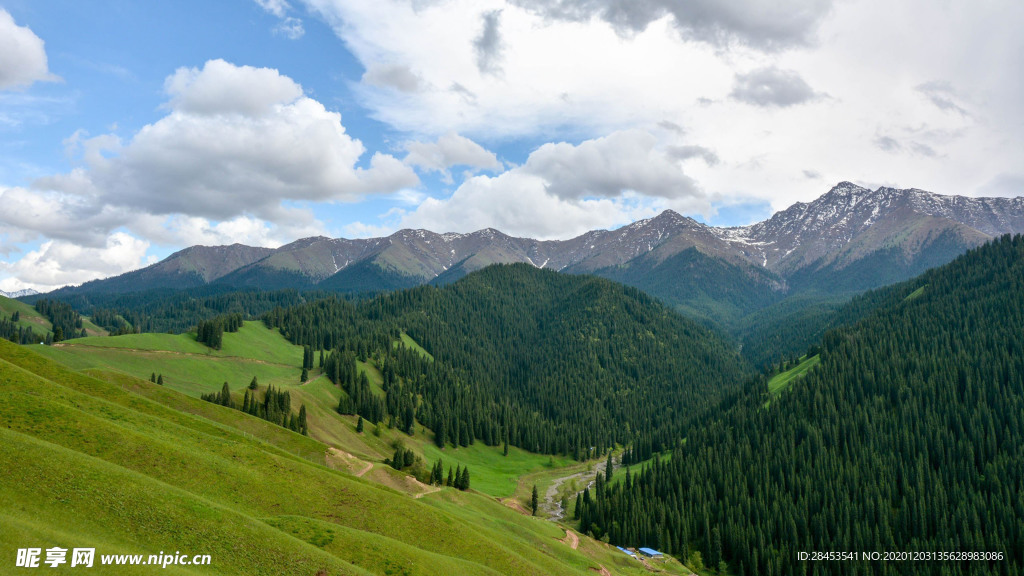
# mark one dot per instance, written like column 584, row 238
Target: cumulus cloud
column 58, row 263
column 448, row 151
column 223, row 88
column 488, row 45
column 22, row 55
column 627, row 160
column 238, row 140
column 519, row 204
column 28, row 214
column 563, row 190
column 236, row 157
column 766, row 24
column 771, row 87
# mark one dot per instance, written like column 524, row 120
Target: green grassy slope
column 782, row 380
column 29, row 316
column 190, row 367
column 131, row 467
column 187, row 365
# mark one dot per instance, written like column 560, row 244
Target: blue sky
column 129, row 130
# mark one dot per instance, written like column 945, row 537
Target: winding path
column 553, row 506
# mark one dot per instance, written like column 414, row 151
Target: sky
column 131, row 129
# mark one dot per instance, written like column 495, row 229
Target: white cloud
column 622, row 161
column 767, row 24
column 237, row 157
column 448, row 151
column 291, row 28
column 518, row 204
column 237, row 141
column 22, row 55
column 585, row 69
column 276, row 7
column 223, row 88
column 58, row 263
column 770, row 86
column 564, row 190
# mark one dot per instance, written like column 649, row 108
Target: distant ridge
column 849, row 239
column 19, row 293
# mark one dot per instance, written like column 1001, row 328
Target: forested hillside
column 549, row 362
column 906, row 438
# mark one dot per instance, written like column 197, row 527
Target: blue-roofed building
column 651, row 553
column 627, row 552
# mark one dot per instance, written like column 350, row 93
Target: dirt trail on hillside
column 571, row 539
column 602, row 571
column 341, row 460
column 515, row 505
column 175, row 353
column 553, row 506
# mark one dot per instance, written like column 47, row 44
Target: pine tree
column 152, row 377
column 534, row 501
column 303, row 427
column 254, row 384
column 439, row 434
column 359, row 425
column 160, row 379
column 225, row 396
column 450, row 481
column 304, row 376
column 608, row 468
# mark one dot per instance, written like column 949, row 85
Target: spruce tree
column 225, row 396
column 254, row 384
column 160, row 379
column 608, row 468
column 450, row 481
column 359, row 425
column 304, row 376
column 534, row 501
column 152, row 377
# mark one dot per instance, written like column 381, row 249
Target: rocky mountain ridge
column 872, row 236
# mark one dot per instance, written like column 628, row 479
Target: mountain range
column 849, row 239
column 19, row 293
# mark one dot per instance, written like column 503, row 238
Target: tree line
column 905, row 438
column 552, row 363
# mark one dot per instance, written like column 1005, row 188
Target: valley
column 406, row 430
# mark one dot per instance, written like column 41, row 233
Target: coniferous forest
column 549, row 362
column 904, row 439
column 907, row 438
